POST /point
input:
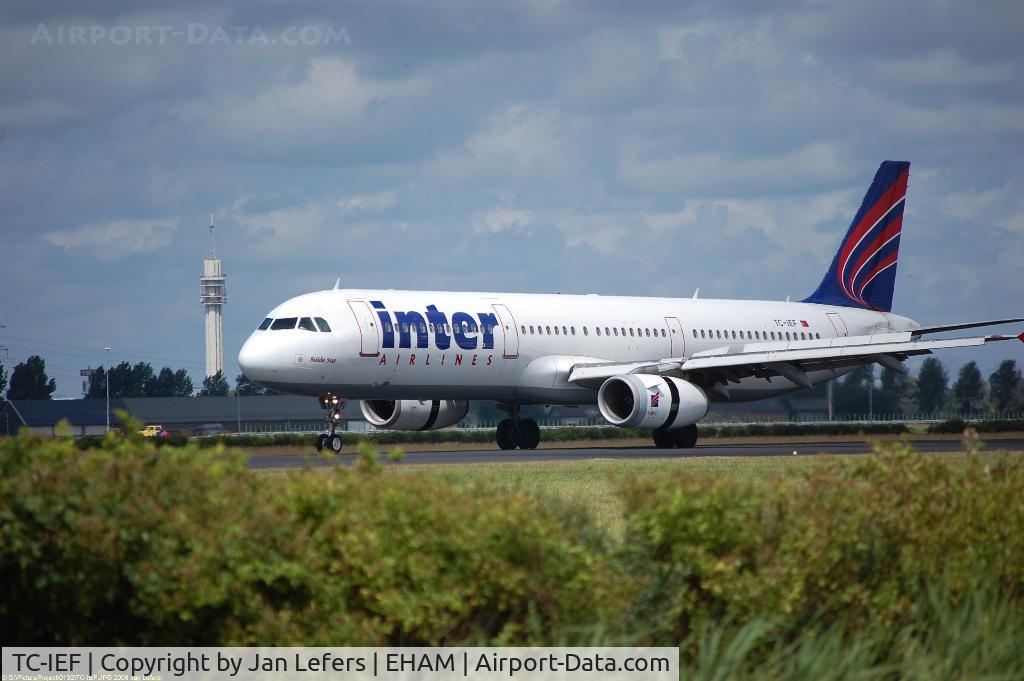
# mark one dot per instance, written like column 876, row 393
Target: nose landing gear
column 516, row 432
column 330, row 440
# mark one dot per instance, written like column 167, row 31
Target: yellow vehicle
column 151, row 431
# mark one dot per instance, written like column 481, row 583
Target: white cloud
column 115, row 239
column 500, row 219
column 304, row 225
column 326, row 102
column 522, row 141
column 723, row 174
column 367, row 202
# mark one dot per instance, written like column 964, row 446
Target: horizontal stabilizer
column 966, row 325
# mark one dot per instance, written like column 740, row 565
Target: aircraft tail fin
column 863, row 273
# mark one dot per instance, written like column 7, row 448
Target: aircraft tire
column 663, row 439
column 506, row 434
column 528, row 434
column 685, row 438
column 335, row 443
column 321, row 441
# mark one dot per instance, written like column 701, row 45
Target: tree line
column 29, row 381
column 896, row 394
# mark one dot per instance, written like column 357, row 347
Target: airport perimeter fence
column 485, row 436
column 791, row 419
column 930, row 420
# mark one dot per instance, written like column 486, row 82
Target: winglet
column 337, row 283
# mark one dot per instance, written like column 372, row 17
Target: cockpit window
column 322, row 323
column 284, row 323
column 266, row 324
column 306, row 324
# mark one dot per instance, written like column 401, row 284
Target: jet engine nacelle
column 647, row 401
column 414, row 414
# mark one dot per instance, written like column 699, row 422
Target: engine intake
column 648, row 401
column 414, row 414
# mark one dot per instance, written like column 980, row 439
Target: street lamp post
column 107, row 377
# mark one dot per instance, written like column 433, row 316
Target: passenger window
column 322, row 323
column 423, row 327
column 556, row 330
column 623, row 332
column 787, row 336
column 306, row 324
column 616, row 331
column 531, row 329
column 598, row 330
column 585, row 332
column 563, row 331
column 817, row 335
column 630, row 331
column 523, row 327
column 608, row 332
column 265, row 324
column 547, row 330
column 572, row 330
column 663, row 334
column 285, row 323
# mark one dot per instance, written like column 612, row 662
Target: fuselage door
column 838, row 323
column 510, row 332
column 369, row 332
column 676, row 339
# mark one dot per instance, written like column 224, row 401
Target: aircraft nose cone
column 251, row 360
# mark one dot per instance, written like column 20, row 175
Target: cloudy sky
column 538, row 146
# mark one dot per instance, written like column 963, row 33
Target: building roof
column 169, row 411
column 36, row 413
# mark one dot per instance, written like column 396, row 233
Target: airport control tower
column 214, row 293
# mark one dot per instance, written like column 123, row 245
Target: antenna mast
column 213, row 244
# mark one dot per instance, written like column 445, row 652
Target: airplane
column 416, row 358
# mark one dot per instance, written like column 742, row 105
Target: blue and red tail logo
column 863, row 273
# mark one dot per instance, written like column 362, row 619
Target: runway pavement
column 277, row 461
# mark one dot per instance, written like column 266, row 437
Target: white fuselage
column 514, row 347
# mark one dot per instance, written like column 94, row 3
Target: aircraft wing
column 715, row 369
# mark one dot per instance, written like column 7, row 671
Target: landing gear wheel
column 663, row 439
column 686, row 437
column 321, row 441
column 506, row 434
column 334, row 441
column 528, row 434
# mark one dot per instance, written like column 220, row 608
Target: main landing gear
column 517, row 432
column 684, row 438
column 330, row 441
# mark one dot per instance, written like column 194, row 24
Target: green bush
column 130, row 544
column 852, row 564
column 958, row 426
column 856, row 542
